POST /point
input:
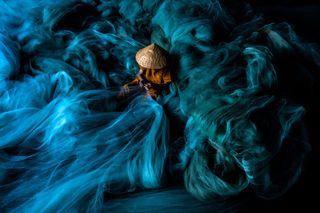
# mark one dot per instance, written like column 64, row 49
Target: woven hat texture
column 151, row 57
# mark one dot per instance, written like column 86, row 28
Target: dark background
column 304, row 16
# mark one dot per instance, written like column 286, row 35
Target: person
column 154, row 75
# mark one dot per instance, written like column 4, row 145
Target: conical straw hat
column 151, row 57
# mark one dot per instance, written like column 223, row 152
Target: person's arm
column 133, row 82
column 125, row 88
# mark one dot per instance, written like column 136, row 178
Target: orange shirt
column 155, row 76
column 160, row 76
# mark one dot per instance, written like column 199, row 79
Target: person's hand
column 147, row 86
column 124, row 90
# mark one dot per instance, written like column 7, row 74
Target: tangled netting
column 231, row 122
